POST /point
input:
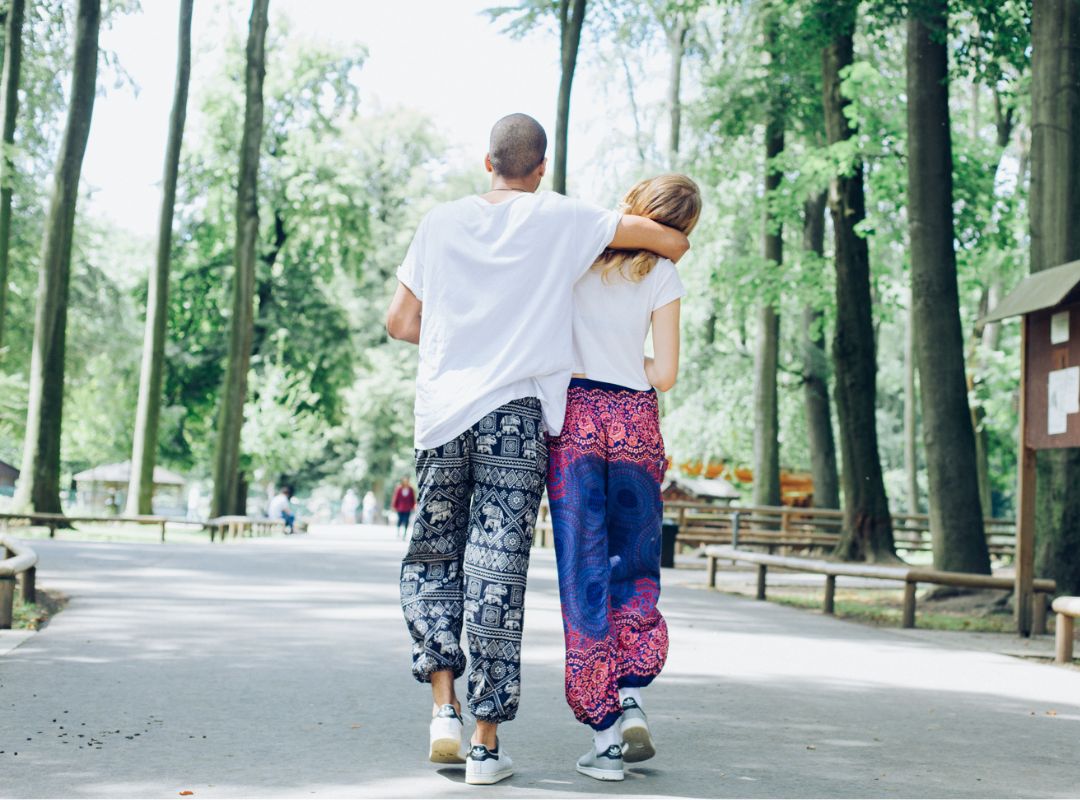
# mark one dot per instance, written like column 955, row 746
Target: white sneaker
column 637, row 740
column 446, row 729
column 484, row 767
column 606, row 766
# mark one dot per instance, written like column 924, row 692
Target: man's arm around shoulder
column 642, row 233
column 403, row 317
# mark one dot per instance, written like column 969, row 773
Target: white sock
column 604, row 739
column 632, row 692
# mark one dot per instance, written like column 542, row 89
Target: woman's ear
column 487, row 163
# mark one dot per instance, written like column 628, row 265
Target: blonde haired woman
column 604, row 475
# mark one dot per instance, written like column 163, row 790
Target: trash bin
column 668, row 532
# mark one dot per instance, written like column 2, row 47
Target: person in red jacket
column 404, row 502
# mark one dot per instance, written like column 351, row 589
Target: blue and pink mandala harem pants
column 604, row 475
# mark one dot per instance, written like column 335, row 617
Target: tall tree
column 39, row 484
column 867, row 532
column 911, row 419
column 148, row 411
column 816, row 370
column 1055, row 239
column 766, row 356
column 9, row 102
column 571, row 21
column 229, row 489
column 956, row 520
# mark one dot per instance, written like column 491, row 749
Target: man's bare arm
column 642, row 233
column 403, row 318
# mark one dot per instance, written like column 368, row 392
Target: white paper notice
column 1059, row 327
column 1063, row 398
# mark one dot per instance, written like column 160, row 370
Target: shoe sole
column 446, row 751
column 487, row 780
column 601, row 774
column 637, row 743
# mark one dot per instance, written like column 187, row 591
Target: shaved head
column 518, row 144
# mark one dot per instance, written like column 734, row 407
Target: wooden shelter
column 708, row 490
column 99, row 485
column 1048, row 303
column 8, row 476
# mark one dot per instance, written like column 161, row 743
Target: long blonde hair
column 673, row 200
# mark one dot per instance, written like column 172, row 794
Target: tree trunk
column 766, row 357
column 1055, row 239
column 39, row 482
column 816, row 371
column 9, row 102
column 911, row 418
column 677, row 47
column 144, row 447
column 571, row 19
column 956, row 521
column 867, row 532
column 227, row 478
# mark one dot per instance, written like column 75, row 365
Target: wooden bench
column 911, row 577
column 1067, row 610
column 18, row 560
column 235, row 526
column 54, row 521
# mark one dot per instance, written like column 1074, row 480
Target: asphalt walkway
column 279, row 667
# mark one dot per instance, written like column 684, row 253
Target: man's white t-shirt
column 496, row 282
column 612, row 317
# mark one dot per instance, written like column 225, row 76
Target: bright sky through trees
column 443, row 58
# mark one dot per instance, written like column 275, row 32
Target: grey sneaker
column 445, row 734
column 637, row 741
column 484, row 767
column 606, row 766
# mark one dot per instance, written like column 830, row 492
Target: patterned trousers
column 469, row 555
column 604, row 480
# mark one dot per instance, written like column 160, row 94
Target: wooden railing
column 806, row 528
column 19, row 561
column 794, row 529
column 911, row 577
column 219, row 528
column 1067, row 610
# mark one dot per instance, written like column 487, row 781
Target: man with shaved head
column 486, row 290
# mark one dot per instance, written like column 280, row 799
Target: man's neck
column 501, row 184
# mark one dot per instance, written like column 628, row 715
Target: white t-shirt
column 612, row 318
column 279, row 506
column 496, row 281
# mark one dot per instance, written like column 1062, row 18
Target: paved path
column 279, row 667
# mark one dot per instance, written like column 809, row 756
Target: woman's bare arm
column 663, row 368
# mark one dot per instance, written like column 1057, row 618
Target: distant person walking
column 404, row 502
column 370, row 506
column 350, row 504
column 281, row 508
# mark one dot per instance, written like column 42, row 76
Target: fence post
column 830, row 593
column 761, row 569
column 29, row 585
column 735, row 529
column 7, row 602
column 909, row 604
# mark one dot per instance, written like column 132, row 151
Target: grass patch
column 35, row 616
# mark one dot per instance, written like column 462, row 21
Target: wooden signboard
column 1052, row 378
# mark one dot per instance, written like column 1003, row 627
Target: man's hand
column 642, row 233
column 403, row 318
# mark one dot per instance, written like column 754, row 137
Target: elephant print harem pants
column 603, row 485
column 467, row 561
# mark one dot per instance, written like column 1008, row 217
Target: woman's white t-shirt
column 612, row 317
column 497, row 282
